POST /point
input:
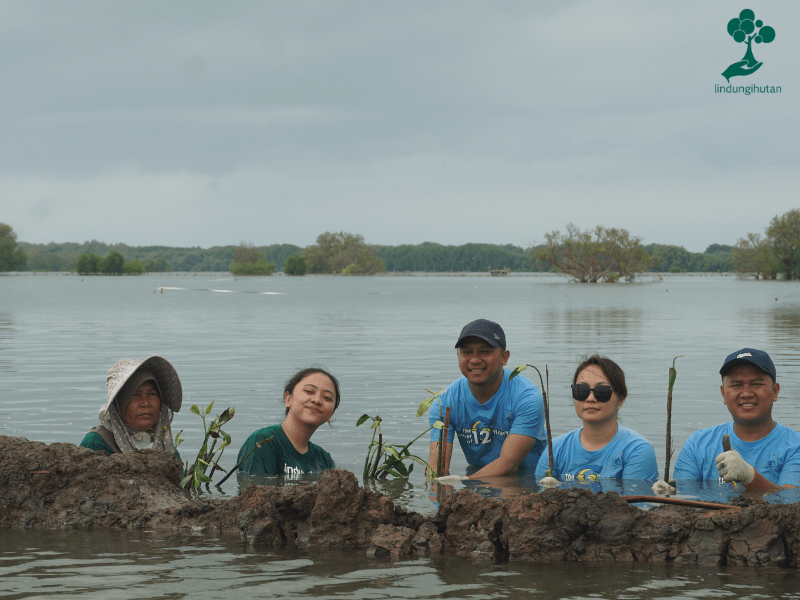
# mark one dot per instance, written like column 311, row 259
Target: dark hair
column 612, row 371
column 302, row 374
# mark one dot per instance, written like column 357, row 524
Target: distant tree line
column 348, row 253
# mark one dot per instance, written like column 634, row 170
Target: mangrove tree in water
column 594, row 255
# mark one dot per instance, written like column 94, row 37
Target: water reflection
column 113, row 564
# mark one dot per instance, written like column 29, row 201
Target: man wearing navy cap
column 499, row 423
column 764, row 454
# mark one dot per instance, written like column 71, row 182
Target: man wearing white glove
column 764, row 455
column 499, row 423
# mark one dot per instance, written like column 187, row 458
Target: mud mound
column 62, row 485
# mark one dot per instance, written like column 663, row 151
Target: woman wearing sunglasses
column 602, row 448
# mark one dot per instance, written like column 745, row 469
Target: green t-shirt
column 280, row 457
column 95, row 441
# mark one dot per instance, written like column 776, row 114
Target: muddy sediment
column 63, row 485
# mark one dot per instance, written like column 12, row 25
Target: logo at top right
column 745, row 28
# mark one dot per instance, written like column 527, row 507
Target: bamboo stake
column 547, row 423
column 672, row 375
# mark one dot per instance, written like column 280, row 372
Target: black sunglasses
column 602, row 393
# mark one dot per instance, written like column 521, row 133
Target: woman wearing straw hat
column 311, row 396
column 143, row 395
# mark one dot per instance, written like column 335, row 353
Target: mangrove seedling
column 390, row 459
column 545, row 393
column 195, row 475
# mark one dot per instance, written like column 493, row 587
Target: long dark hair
column 302, row 374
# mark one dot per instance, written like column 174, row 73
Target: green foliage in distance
column 676, row 259
column 155, row 265
column 295, row 265
column 133, row 267
column 594, row 255
column 88, row 263
column 342, row 253
column 12, row 258
column 249, row 261
column 784, row 235
column 754, row 256
column 113, row 263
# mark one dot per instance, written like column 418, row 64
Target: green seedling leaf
column 438, row 425
column 517, row 371
column 361, row 419
column 425, row 405
column 194, row 409
column 204, row 478
column 401, row 468
column 210, row 407
column 186, row 479
column 227, row 438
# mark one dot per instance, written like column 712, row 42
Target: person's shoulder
column 631, row 434
column 787, row 433
column 456, row 389
column 712, row 432
column 567, row 437
column 94, row 441
column 520, row 384
column 263, row 433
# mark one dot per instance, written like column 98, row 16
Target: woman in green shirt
column 311, row 396
column 143, row 396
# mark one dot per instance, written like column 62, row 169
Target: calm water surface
column 235, row 341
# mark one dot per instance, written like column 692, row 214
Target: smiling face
column 144, row 407
column 590, row 410
column 312, row 401
column 749, row 394
column 481, row 363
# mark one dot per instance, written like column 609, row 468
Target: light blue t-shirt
column 517, row 407
column 627, row 456
column 776, row 456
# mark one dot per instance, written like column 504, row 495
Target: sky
column 196, row 123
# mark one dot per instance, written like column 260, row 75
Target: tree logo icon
column 745, row 28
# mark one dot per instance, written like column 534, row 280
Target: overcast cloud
column 210, row 123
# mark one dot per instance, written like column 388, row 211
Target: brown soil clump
column 63, row 485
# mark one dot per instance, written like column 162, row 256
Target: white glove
column 662, row 487
column 450, row 479
column 732, row 467
column 549, row 482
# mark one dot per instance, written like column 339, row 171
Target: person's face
column 590, row 410
column 313, row 400
column 144, row 408
column 481, row 363
column 749, row 394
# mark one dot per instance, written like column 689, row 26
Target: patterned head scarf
column 123, row 379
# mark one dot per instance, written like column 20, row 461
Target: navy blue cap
column 489, row 331
column 749, row 356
